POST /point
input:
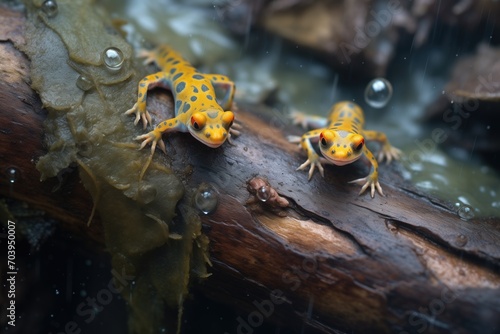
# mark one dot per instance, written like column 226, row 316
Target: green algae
column 149, row 236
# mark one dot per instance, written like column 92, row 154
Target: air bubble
column 113, row 59
column 461, row 240
column 84, row 83
column 12, row 174
column 378, row 92
column 206, row 198
column 49, row 7
column 263, row 193
column 465, row 212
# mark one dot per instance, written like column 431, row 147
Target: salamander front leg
column 313, row 159
column 372, row 179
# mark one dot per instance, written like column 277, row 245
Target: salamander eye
column 198, row 121
column 358, row 144
column 326, row 137
column 322, row 140
column 228, row 118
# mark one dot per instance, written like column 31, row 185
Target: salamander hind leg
column 387, row 152
column 223, row 82
column 154, row 137
column 308, row 121
column 372, row 179
column 139, row 108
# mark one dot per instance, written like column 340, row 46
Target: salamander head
column 341, row 147
column 211, row 127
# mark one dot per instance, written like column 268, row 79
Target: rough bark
column 331, row 261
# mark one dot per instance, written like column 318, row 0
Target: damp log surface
column 332, row 261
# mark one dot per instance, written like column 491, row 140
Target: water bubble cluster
column 263, row 193
column 49, row 7
column 206, row 198
column 378, row 92
column 84, row 83
column 113, row 58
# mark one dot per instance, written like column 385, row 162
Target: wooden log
column 331, row 261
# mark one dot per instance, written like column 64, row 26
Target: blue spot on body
column 178, row 104
column 176, row 62
column 194, row 98
column 180, row 87
column 204, row 88
column 172, row 71
column 350, row 105
column 177, row 76
column 186, row 107
column 195, row 90
column 209, row 97
column 198, row 76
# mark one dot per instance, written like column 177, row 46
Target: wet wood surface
column 332, row 261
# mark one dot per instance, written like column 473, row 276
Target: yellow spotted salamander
column 341, row 140
column 197, row 110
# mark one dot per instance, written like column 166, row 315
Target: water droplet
column 461, row 240
column 113, row 58
column 206, row 198
column 49, row 7
column 84, row 83
column 443, row 92
column 465, row 212
column 378, row 92
column 12, row 174
column 263, row 193
column 57, row 292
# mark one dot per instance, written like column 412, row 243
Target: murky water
column 263, row 66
